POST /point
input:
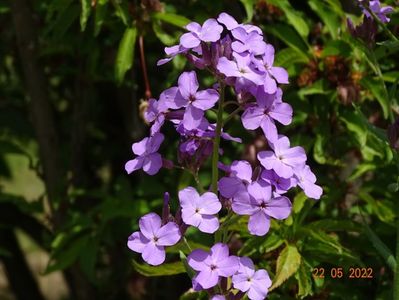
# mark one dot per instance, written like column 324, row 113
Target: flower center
column 213, row 267
column 155, row 239
column 263, row 205
column 191, row 98
column 197, row 210
column 280, row 157
column 249, row 279
column 242, row 71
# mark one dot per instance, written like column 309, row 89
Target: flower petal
column 192, row 117
column 206, row 99
column 169, row 234
column 152, row 163
column 188, row 84
column 259, row 223
column 278, row 208
column 153, row 255
column 134, row 164
column 207, row 278
column 209, row 204
column 149, row 225
column 208, row 224
column 137, row 242
column 197, row 260
column 189, row 40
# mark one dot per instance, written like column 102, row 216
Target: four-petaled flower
column 282, row 159
column 199, row 211
column 269, row 107
column 256, row 283
column 152, row 238
column 240, row 176
column 210, row 266
column 306, row 180
column 260, row 205
column 209, row 32
column 148, row 158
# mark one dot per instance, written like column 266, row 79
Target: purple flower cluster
column 375, row 7
column 237, row 56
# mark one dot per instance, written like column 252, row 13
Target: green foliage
column 125, row 56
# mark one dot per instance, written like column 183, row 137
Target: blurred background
column 74, row 77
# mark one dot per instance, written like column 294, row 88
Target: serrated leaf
column 170, row 18
column 165, row 269
column 304, row 281
column 294, row 18
column 125, row 56
column 85, row 13
column 288, row 263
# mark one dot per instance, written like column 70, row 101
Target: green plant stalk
column 215, row 154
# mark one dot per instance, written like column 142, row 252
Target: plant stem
column 230, row 116
column 215, row 154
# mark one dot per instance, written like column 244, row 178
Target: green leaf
column 299, row 202
column 85, row 14
column 99, row 16
column 288, row 56
column 381, row 248
column 331, row 20
column 125, row 56
column 249, row 8
column 290, row 37
column 386, row 48
column 288, row 263
column 355, row 124
column 165, row 38
column 293, row 17
column 334, row 225
column 377, row 88
column 304, row 281
column 188, row 269
column 173, row 19
column 336, row 47
column 122, row 11
column 165, row 269
column 320, row 87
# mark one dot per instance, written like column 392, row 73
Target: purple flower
column 240, row 176
column 199, row 211
column 282, row 159
column 231, row 24
column 152, row 238
column 306, row 180
column 148, row 158
column 171, row 52
column 218, row 297
column 251, row 42
column 380, row 12
column 155, row 114
column 209, row 32
column 260, row 206
column 210, row 266
column 269, row 107
column 196, row 102
column 272, row 75
column 256, row 283
column 241, row 67
column 281, row 185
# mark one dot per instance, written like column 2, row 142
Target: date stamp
column 338, row 273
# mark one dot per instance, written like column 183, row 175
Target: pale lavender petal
column 268, row 57
column 193, row 27
column 140, row 148
column 219, row 252
column 192, row 117
column 259, row 223
column 228, row 21
column 207, row 278
column 188, row 197
column 267, row 159
column 137, row 242
column 260, row 285
column 228, row 67
column 153, row 255
column 189, row 40
column 191, row 217
column 278, row 208
column 252, row 117
column 209, row 204
column 294, row 156
column 242, row 204
column 269, row 129
column 229, row 186
column 270, row 85
column 134, row 164
column 282, row 112
column 210, row 31
column 208, row 224
column 260, row 190
column 173, row 98
column 228, row 266
column 241, row 169
column 152, row 163
column 280, row 74
column 282, row 169
column 206, row 99
column 218, row 297
column 241, row 282
column 155, row 142
column 246, row 266
column 164, row 61
column 149, row 225
column 311, row 190
column 188, row 84
column 168, row 235
column 197, row 259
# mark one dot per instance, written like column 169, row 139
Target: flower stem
column 215, row 154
